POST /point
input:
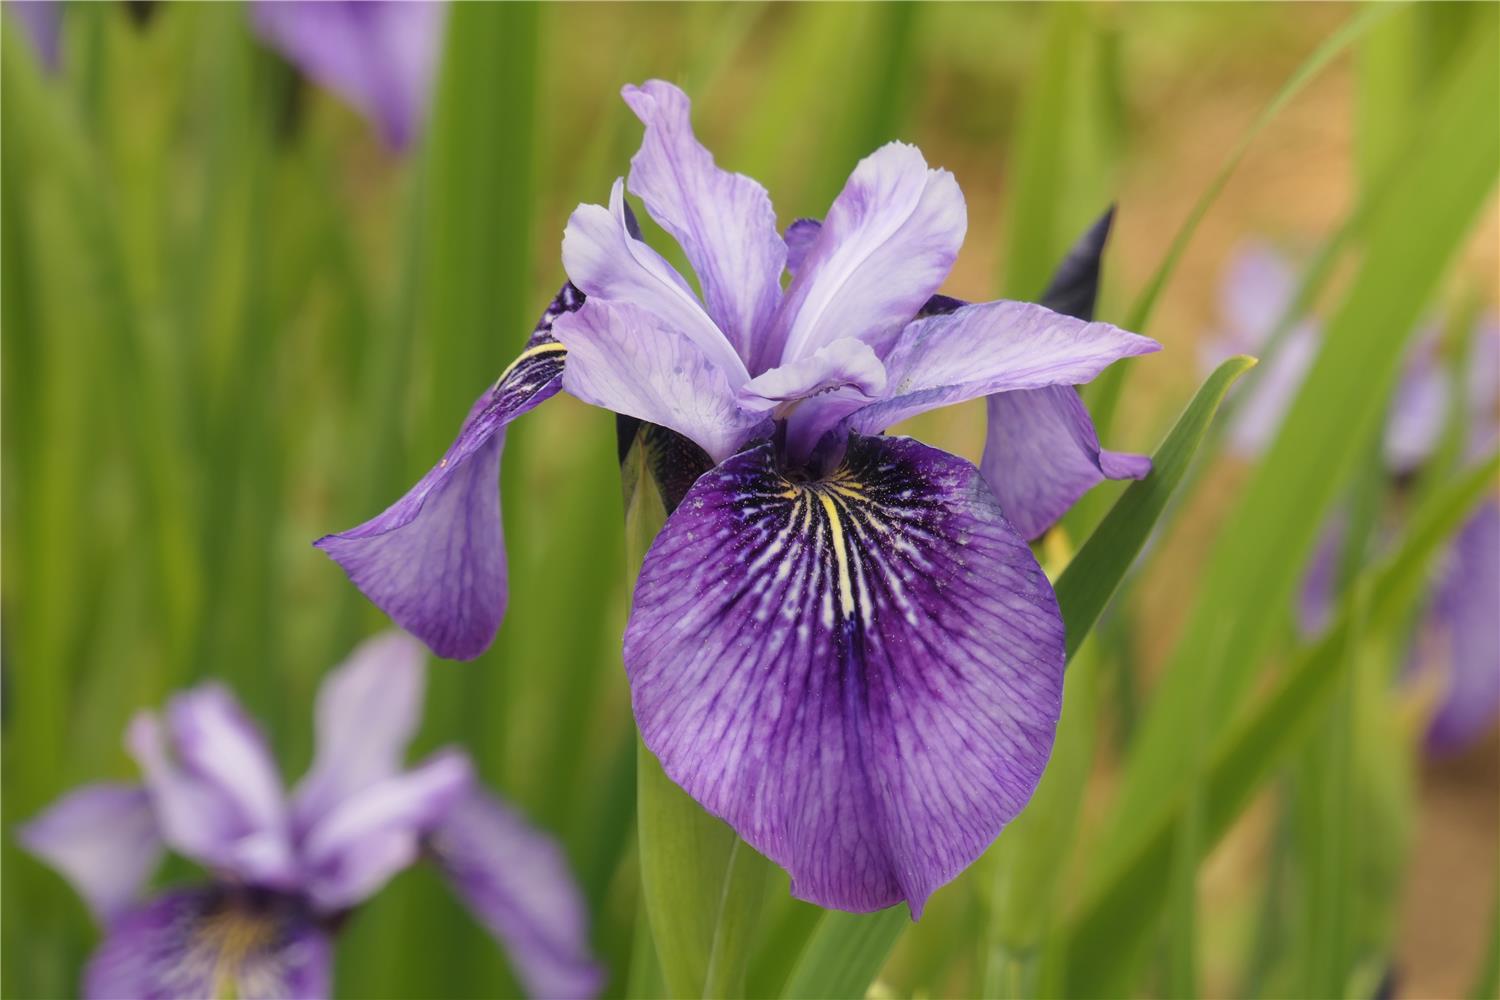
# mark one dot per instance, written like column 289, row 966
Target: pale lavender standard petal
column 723, row 221
column 379, row 55
column 103, row 839
column 799, row 238
column 435, row 559
column 888, row 242
column 815, row 392
column 516, row 881
column 368, row 709
column 209, row 942
column 42, row 22
column 862, row 674
column 1463, row 620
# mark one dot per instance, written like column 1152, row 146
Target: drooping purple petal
column 209, row 942
column 379, row 55
column 516, row 881
column 992, row 347
column 435, row 559
column 1462, row 619
column 1041, row 454
column 368, row 708
column 103, row 839
column 723, row 221
column 888, row 242
column 355, row 849
column 800, row 237
column 862, row 675
column 42, row 22
column 611, row 265
column 623, row 358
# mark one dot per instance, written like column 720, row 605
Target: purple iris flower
column 840, row 642
column 42, row 22
column 286, row 869
column 1459, row 627
column 379, row 55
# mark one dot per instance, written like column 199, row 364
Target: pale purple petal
column 1041, row 454
column 623, row 358
column 1463, row 623
column 1319, row 590
column 1418, row 412
column 800, row 237
column 516, row 881
column 1483, row 389
column 723, row 221
column 1272, row 386
column 992, row 347
column 42, row 22
column 861, row 674
column 368, row 709
column 208, row 942
column 435, row 559
column 1256, row 293
column 611, row 265
column 816, row 391
column 379, row 56
column 103, row 839
column 886, row 245
column 355, row 849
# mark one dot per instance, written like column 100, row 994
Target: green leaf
column 845, row 953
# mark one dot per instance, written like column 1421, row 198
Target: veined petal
column 368, row 708
column 1462, row 621
column 356, row 848
column 211, row 942
column 103, row 839
column 623, row 358
column 887, row 244
column 435, row 559
column 611, row 265
column 1041, row 454
column 516, row 881
column 724, row 221
column 862, row 675
column 379, row 56
column 992, row 347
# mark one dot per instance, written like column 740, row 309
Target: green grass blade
column 735, row 925
column 845, row 954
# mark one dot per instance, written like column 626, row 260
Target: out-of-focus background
column 235, row 319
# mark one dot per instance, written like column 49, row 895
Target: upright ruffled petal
column 368, row 709
column 862, row 675
column 992, row 347
column 212, row 942
column 1462, row 621
column 103, row 839
column 516, row 881
column 355, row 849
column 611, row 264
column 623, row 358
column 379, row 55
column 435, row 559
column 724, row 221
column 887, row 244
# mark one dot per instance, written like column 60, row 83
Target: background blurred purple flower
column 42, row 22
column 379, row 55
column 286, row 869
column 839, row 642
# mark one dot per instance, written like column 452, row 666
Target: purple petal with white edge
column 212, row 941
column 610, row 265
column 1256, row 292
column 435, row 559
column 368, row 709
column 1041, row 454
column 992, row 347
column 862, row 675
column 516, row 881
column 723, row 221
column 42, row 22
column 886, row 245
column 1462, row 618
column 799, row 238
column 103, row 839
column 623, row 358
column 379, row 56
column 356, row 848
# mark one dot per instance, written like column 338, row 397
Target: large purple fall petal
column 210, row 942
column 515, row 879
column 723, row 221
column 435, row 559
column 103, row 839
column 1041, row 454
column 862, row 675
column 1461, row 620
column 888, row 242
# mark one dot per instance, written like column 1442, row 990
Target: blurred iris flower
column 379, row 55
column 42, row 22
column 287, row 870
column 840, row 641
column 1459, row 625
